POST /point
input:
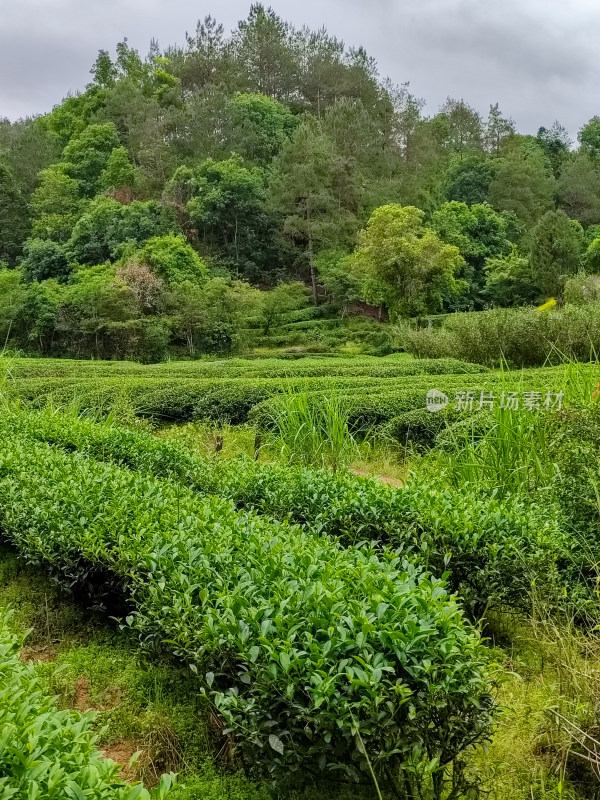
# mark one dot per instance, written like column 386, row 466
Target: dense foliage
column 312, row 653
column 148, row 214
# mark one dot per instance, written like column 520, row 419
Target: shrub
column 50, row 753
column 173, row 259
column 494, row 548
column 522, row 337
column 300, row 643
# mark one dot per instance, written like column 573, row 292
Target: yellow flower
column 547, row 305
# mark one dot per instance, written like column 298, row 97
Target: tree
column 478, row 232
column 589, row 137
column 468, row 180
column 56, row 205
column 497, row 130
column 309, row 189
column 87, row 154
column 45, row 259
column 335, row 272
column 459, row 127
column 209, row 319
column 41, row 314
column 579, row 189
column 118, row 175
column 509, row 280
column 107, row 228
column 31, row 148
column 523, row 186
column 229, row 211
column 406, row 264
column 281, row 299
column 266, row 54
column 259, row 126
column 105, row 73
column 555, row 253
column 555, row 142
column 207, row 58
column 146, row 286
column 171, row 258
column 13, row 293
column 14, row 222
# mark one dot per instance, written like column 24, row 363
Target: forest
column 248, row 175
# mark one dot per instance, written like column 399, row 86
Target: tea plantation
column 340, row 632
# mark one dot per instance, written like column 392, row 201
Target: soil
column 387, row 479
column 30, row 655
column 121, row 752
column 82, row 690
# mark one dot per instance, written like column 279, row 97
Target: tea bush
column 385, row 367
column 317, row 657
column 493, row 547
column 49, row 753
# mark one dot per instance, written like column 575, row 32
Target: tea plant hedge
column 493, row 547
column 48, row 753
column 301, row 644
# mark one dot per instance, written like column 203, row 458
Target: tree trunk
column 313, row 277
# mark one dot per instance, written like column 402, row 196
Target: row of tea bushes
column 47, row 753
column 373, row 400
column 493, row 547
column 317, row 657
column 369, row 366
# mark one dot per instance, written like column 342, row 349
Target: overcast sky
column 536, row 58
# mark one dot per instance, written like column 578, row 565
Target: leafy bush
column 172, row 258
column 493, row 547
column 302, row 645
column 523, row 337
column 50, row 753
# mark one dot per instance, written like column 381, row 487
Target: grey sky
column 536, row 58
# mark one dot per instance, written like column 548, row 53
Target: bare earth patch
column 121, row 752
column 43, row 653
column 387, row 479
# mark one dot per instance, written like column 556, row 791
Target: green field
column 332, row 634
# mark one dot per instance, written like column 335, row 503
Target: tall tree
column 229, row 212
column 265, row 50
column 555, row 142
column 309, row 189
column 555, row 252
column 404, row 264
column 14, row 222
column 523, row 185
column 497, row 130
column 579, row 188
column 589, row 137
column 479, row 233
column 259, row 125
column 86, row 155
column 460, row 127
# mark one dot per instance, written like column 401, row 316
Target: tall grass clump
column 312, row 432
column 505, row 449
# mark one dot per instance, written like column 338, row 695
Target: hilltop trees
column 254, row 160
